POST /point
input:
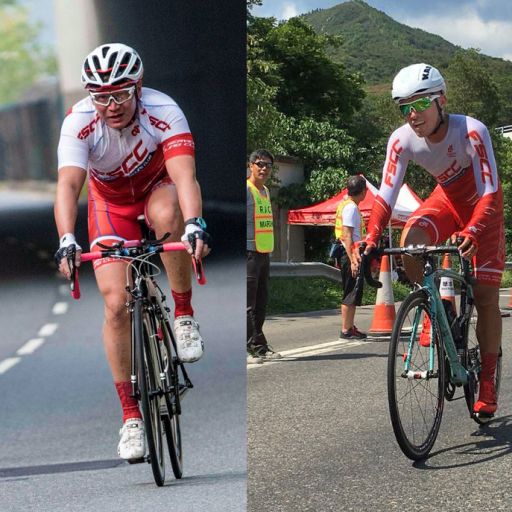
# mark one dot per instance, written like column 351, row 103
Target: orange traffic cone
column 446, row 289
column 384, row 312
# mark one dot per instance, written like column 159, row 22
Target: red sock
column 182, row 301
column 128, row 403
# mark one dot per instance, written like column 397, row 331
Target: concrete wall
column 289, row 240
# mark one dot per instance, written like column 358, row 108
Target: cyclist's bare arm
column 182, row 170
column 69, row 184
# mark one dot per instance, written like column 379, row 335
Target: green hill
column 377, row 46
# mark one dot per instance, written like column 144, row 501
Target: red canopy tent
column 324, row 213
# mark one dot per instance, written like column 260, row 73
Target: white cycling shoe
column 132, row 445
column 188, row 339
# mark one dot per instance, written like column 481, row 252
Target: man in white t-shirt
column 348, row 228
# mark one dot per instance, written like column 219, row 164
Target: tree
column 305, row 115
column 22, row 60
column 471, row 89
column 311, row 84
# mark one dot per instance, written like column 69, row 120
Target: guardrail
column 304, row 269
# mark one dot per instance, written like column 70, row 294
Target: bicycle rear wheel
column 149, row 386
column 172, row 400
column 415, row 397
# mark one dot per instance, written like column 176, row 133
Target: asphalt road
column 59, row 413
column 320, row 437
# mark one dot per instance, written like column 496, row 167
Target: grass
column 302, row 294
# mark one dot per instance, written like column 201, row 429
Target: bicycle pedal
column 136, row 461
column 484, row 417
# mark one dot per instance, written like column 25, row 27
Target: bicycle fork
column 458, row 374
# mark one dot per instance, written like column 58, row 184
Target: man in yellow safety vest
column 349, row 226
column 260, row 243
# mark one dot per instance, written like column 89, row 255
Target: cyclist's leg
column 489, row 264
column 164, row 216
column 109, row 224
column 432, row 223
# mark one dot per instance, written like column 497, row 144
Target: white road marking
column 310, row 350
column 47, row 330
column 60, row 308
column 8, row 363
column 30, row 346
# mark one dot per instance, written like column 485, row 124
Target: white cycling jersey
column 462, row 163
column 125, row 164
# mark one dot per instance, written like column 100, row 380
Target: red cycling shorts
column 111, row 222
column 439, row 218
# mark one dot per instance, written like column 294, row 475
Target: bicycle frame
column 146, row 289
column 458, row 374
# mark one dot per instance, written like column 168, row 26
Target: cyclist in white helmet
column 136, row 149
column 467, row 201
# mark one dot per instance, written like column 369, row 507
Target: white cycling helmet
column 417, row 79
column 110, row 65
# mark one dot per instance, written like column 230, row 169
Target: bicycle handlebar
column 411, row 250
column 131, row 249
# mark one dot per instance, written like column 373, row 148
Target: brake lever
column 365, row 266
column 74, row 285
column 197, row 264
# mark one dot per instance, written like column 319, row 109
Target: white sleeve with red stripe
column 392, row 178
column 177, row 141
column 486, row 179
column 72, row 151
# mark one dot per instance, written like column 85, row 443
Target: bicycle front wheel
column 172, row 399
column 149, row 386
column 415, row 387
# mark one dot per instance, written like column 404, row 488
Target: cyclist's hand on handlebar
column 68, row 247
column 466, row 244
column 357, row 251
column 197, row 241
column 363, row 247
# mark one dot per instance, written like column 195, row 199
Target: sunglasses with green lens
column 418, row 105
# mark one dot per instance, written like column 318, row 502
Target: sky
column 42, row 12
column 484, row 24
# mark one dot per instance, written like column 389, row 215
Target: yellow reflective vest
column 263, row 220
column 338, row 226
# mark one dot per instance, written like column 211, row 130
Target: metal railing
column 304, row 269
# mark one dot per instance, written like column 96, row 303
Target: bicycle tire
column 148, row 380
column 415, row 404
column 172, row 398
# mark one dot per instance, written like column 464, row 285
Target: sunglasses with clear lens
column 120, row 96
column 418, row 105
column 261, row 164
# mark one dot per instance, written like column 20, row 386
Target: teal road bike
column 425, row 371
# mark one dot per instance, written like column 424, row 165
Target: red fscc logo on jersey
column 87, row 130
column 132, row 160
column 392, row 162
column 159, row 124
column 485, row 166
column 451, row 172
